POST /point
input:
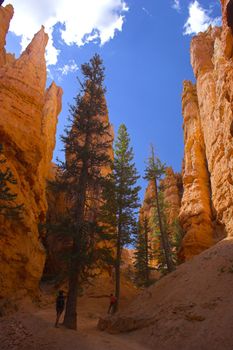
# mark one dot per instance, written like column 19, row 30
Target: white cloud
column 199, row 19
column 82, row 20
column 176, row 5
column 71, row 67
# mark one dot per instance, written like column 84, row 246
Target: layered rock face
column 6, row 13
column 172, row 187
column 196, row 212
column 207, row 205
column 28, row 118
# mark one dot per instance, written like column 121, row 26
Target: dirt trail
column 32, row 328
column 41, row 334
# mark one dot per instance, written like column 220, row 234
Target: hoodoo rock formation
column 196, row 213
column 172, row 188
column 6, row 13
column 28, row 118
column 207, row 204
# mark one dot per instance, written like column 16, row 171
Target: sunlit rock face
column 172, row 188
column 211, row 117
column 195, row 214
column 6, row 13
column 28, row 118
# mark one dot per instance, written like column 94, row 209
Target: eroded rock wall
column 172, row 187
column 196, row 213
column 211, row 58
column 28, row 118
column 6, row 13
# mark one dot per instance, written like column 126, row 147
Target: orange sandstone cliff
column 207, row 205
column 196, row 212
column 172, row 187
column 28, row 118
column 6, row 13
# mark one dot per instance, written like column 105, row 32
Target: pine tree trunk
column 147, row 257
column 70, row 318
column 164, row 236
column 117, row 269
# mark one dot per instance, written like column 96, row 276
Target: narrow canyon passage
column 90, row 216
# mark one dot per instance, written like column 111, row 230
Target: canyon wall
column 207, row 205
column 28, row 118
column 172, row 187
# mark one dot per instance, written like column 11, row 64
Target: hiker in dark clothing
column 112, row 304
column 60, row 305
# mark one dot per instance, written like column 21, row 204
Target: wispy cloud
column 71, row 67
column 176, row 5
column 199, row 19
column 82, row 21
column 146, row 11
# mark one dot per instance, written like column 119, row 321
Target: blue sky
column 146, row 61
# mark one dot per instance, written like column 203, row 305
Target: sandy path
column 87, row 335
column 35, row 330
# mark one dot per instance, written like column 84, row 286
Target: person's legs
column 109, row 309
column 59, row 312
column 113, row 310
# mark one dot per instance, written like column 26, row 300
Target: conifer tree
column 8, row 208
column 121, row 201
column 142, row 254
column 86, row 142
column 173, row 229
column 154, row 170
column 177, row 237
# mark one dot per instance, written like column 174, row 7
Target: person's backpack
column 113, row 299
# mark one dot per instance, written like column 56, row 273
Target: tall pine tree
column 87, row 144
column 142, row 253
column 121, row 201
column 154, row 171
